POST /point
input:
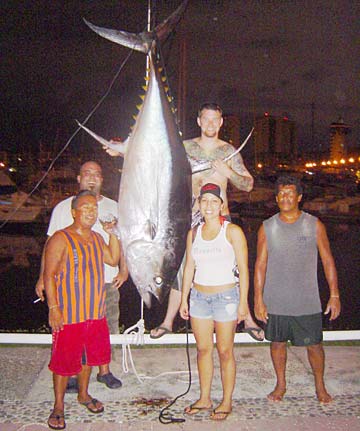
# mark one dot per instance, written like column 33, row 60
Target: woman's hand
column 184, row 310
column 243, row 312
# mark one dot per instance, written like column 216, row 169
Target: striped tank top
column 80, row 284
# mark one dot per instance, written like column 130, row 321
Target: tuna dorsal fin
column 141, row 41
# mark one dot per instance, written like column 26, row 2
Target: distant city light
column 323, row 163
column 351, row 160
column 335, row 162
column 259, row 165
column 328, row 162
column 12, row 169
column 2, row 164
column 342, row 161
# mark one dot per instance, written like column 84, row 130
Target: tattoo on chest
column 194, row 150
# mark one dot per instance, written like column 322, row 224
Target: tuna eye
column 158, row 280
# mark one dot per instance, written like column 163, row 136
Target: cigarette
column 36, row 300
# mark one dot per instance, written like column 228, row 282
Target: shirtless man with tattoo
column 208, row 147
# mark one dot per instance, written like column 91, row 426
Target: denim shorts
column 220, row 307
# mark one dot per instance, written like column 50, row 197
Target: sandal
column 219, row 415
column 58, row 417
column 192, row 410
column 93, row 403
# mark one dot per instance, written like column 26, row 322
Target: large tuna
column 155, row 189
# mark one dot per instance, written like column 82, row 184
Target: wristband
column 334, row 296
column 53, row 306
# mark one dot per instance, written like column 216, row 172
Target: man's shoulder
column 107, row 205
column 271, row 219
column 193, row 142
column 62, row 206
column 107, row 200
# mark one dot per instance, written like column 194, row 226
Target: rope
column 97, row 105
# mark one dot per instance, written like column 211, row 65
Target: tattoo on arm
column 240, row 176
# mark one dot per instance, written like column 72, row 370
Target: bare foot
column 277, row 394
column 323, row 397
column 56, row 420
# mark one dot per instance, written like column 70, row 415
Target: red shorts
column 90, row 338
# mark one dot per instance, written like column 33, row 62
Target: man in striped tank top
column 75, row 292
column 90, row 178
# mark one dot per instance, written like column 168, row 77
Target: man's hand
column 111, row 152
column 40, row 289
column 56, row 320
column 261, row 311
column 333, row 307
column 119, row 280
column 221, row 168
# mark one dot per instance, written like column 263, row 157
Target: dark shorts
column 299, row 330
column 89, row 340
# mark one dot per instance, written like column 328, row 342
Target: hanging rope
column 98, row 104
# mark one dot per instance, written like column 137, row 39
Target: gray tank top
column 291, row 286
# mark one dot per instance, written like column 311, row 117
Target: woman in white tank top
column 215, row 300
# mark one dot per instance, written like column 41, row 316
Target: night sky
column 249, row 56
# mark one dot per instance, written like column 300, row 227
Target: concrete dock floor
column 26, row 395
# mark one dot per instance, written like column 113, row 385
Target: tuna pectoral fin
column 120, row 147
column 150, row 229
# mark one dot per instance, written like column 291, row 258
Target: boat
column 15, row 205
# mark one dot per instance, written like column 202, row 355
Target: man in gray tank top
column 286, row 288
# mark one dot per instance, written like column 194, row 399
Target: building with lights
column 275, row 140
column 338, row 132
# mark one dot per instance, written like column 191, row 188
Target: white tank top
column 214, row 259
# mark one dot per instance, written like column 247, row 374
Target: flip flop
column 93, row 402
column 254, row 333
column 160, row 328
column 57, row 417
column 214, row 415
column 192, row 410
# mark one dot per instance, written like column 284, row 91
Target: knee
column 315, row 349
column 204, row 351
column 225, row 355
column 277, row 345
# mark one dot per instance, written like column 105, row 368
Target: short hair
column 81, row 193
column 289, row 180
column 210, row 105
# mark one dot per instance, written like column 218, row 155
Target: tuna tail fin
column 141, row 41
